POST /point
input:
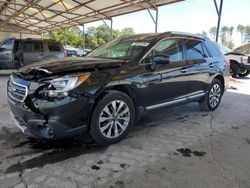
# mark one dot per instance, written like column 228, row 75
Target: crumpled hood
column 69, row 65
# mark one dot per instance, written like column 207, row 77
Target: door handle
column 211, row 65
column 184, row 70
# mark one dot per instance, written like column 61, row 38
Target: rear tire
column 112, row 118
column 234, row 69
column 244, row 73
column 213, row 97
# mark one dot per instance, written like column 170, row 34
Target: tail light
column 65, row 54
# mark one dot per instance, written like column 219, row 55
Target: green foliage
column 226, row 36
column 244, row 31
column 94, row 36
column 204, row 33
column 72, row 36
column 212, row 32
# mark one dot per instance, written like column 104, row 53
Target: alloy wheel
column 214, row 95
column 114, row 119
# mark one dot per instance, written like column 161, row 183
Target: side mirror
column 160, row 59
column 157, row 59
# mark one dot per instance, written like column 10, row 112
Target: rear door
column 198, row 64
column 33, row 51
column 6, row 54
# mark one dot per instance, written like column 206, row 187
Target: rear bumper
column 56, row 120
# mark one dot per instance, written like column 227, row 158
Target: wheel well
column 219, row 77
column 233, row 61
column 124, row 89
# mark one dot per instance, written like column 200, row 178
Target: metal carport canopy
column 40, row 16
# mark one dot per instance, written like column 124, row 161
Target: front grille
column 16, row 92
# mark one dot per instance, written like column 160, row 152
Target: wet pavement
column 161, row 136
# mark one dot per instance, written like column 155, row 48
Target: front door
column 173, row 75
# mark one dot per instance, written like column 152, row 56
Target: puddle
column 186, row 152
column 204, row 115
column 51, row 152
column 235, row 127
column 95, row 167
column 52, row 157
column 248, row 140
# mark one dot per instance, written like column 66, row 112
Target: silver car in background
column 15, row 53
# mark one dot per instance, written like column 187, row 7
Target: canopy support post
column 109, row 26
column 155, row 19
column 219, row 11
column 65, row 39
column 83, row 39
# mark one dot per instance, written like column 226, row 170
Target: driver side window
column 168, row 47
column 8, row 44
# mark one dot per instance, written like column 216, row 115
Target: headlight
column 60, row 87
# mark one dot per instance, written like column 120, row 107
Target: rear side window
column 30, row 46
column 54, row 47
column 195, row 50
column 38, row 47
column 27, row 47
column 8, row 44
column 214, row 51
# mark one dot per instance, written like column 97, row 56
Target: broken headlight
column 60, row 87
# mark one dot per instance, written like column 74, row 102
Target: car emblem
column 11, row 88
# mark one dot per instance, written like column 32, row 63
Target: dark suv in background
column 15, row 53
column 105, row 92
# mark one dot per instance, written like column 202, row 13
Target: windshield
column 120, row 49
column 225, row 49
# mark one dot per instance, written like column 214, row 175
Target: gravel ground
column 169, row 147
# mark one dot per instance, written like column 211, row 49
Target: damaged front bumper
column 61, row 119
column 44, row 118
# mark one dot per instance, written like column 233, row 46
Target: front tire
column 213, row 97
column 244, row 73
column 112, row 118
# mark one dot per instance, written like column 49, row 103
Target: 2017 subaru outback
column 105, row 92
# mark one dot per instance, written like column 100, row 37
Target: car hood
column 234, row 53
column 69, row 65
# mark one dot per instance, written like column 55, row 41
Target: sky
column 193, row 16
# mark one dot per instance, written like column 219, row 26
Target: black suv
column 105, row 92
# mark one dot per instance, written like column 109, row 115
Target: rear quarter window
column 213, row 49
column 54, row 47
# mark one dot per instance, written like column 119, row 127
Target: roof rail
column 199, row 36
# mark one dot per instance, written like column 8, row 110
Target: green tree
column 212, row 32
column 247, row 33
column 204, row 33
column 68, row 36
column 231, row 29
column 226, row 36
column 241, row 30
column 94, row 36
column 127, row 31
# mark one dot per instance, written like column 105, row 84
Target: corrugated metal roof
column 39, row 16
